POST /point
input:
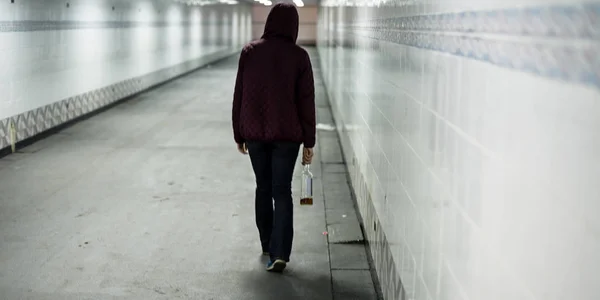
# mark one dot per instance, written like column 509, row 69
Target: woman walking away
column 273, row 115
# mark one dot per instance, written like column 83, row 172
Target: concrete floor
column 151, row 200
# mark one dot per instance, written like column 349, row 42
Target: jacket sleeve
column 306, row 102
column 237, row 101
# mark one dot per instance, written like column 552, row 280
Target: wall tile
column 450, row 289
column 480, row 127
column 49, row 54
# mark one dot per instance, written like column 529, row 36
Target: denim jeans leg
column 260, row 156
column 283, row 160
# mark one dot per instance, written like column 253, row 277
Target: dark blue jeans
column 273, row 165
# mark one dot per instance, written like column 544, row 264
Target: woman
column 273, row 115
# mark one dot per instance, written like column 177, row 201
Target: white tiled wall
column 482, row 165
column 40, row 67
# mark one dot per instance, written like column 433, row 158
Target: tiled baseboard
column 388, row 276
column 385, row 266
column 30, row 124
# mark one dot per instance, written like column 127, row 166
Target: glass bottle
column 306, row 194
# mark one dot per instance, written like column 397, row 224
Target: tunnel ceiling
column 256, row 2
column 209, row 2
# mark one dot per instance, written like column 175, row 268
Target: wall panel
column 472, row 133
column 58, row 63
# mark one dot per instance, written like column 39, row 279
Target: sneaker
column 276, row 266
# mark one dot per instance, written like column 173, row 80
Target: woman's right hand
column 307, row 155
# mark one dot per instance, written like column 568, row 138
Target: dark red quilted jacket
column 274, row 98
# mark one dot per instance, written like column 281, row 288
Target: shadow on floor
column 291, row 284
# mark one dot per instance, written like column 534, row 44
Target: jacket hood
column 282, row 22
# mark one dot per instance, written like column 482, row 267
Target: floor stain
column 14, row 239
column 85, row 213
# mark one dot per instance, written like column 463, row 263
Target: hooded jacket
column 274, row 97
